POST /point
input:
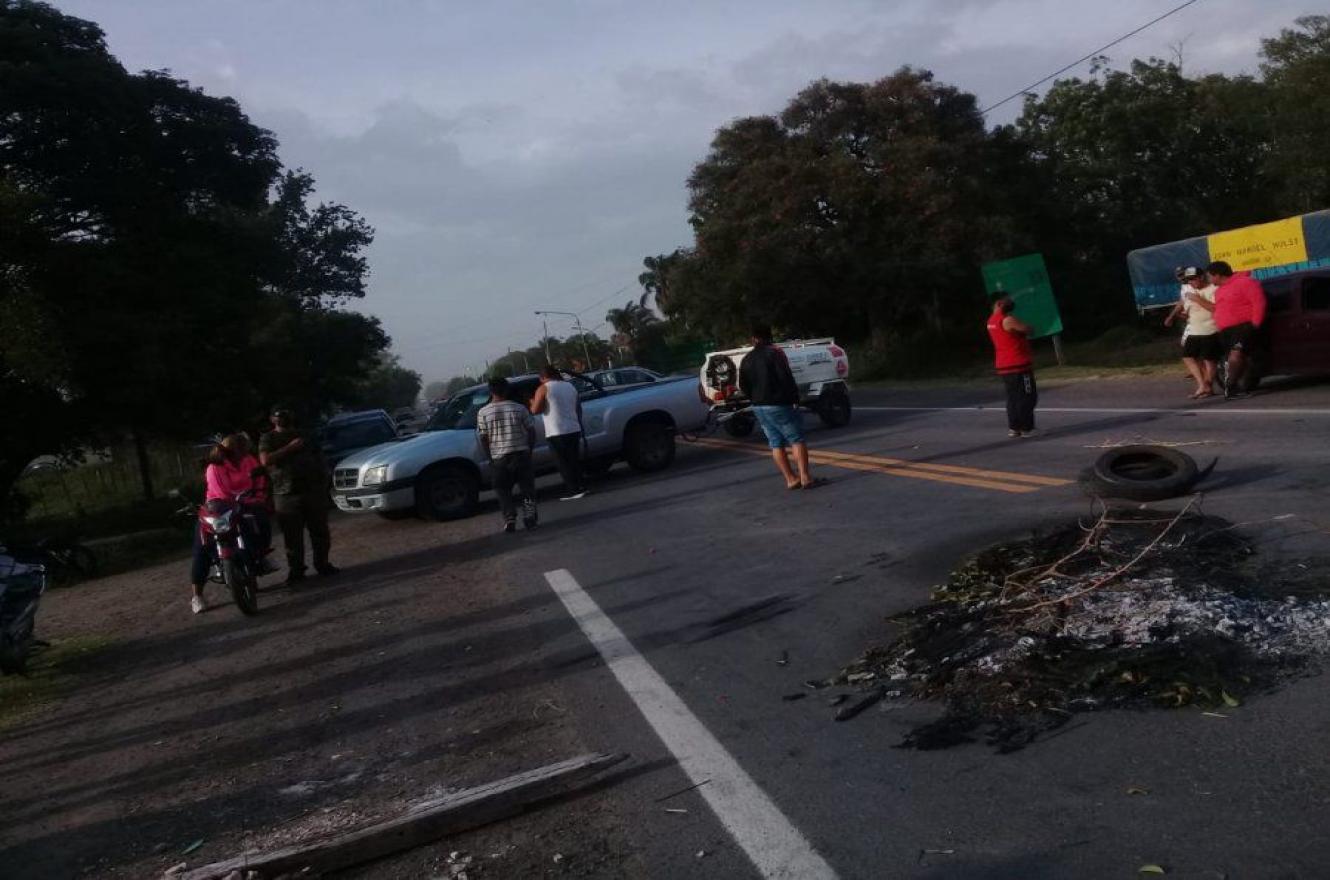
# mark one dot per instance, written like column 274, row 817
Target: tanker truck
column 821, row 369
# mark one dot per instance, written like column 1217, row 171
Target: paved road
column 650, row 618
column 726, row 572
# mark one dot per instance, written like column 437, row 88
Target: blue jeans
column 783, row 425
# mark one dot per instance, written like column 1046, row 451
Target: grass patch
column 51, row 673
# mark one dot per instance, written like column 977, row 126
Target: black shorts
column 1239, row 336
column 1203, row 348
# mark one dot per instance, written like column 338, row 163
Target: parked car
column 440, row 472
column 348, row 433
column 624, row 377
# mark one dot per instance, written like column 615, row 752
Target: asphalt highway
column 704, row 595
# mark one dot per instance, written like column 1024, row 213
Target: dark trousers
column 297, row 514
column 1022, row 396
column 515, row 467
column 567, row 450
column 258, row 536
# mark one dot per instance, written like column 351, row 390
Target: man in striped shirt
column 507, row 435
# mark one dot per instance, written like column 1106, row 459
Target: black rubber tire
column 597, row 467
column 740, row 424
column 833, row 408
column 448, row 492
column 244, row 588
column 649, row 446
column 1142, row 473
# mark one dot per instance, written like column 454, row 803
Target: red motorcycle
column 230, row 534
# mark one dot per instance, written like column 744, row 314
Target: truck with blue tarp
column 1267, row 250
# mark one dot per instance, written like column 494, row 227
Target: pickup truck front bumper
column 397, row 495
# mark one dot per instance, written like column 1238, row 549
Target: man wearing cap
column 1239, row 311
column 1200, row 340
column 300, row 493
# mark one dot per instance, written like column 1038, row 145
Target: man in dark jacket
column 766, row 380
column 300, row 493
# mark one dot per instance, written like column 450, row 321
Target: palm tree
column 629, row 323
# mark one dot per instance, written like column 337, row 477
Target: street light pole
column 577, row 322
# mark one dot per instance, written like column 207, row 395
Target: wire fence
column 106, row 479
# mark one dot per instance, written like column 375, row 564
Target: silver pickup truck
column 440, row 472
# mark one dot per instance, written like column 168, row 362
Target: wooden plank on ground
column 423, row 823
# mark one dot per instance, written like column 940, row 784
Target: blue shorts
column 783, row 425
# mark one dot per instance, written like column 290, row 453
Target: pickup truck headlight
column 375, row 476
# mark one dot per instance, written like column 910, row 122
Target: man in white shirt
column 557, row 402
column 1201, row 349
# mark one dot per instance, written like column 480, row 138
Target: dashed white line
column 776, row 848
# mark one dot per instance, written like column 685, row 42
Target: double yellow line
column 956, row 475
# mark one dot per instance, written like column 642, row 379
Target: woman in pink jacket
column 233, row 473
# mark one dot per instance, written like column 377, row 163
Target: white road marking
column 772, row 843
column 1206, row 411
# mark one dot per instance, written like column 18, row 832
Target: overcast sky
column 523, row 155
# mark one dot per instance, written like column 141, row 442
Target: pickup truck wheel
column 740, row 424
column 450, row 492
column 649, row 446
column 833, row 408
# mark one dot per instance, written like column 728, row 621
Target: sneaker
column 266, row 567
column 1013, row 433
column 294, row 577
column 574, row 496
column 197, row 605
column 1033, row 432
column 327, row 570
column 529, row 516
column 509, row 526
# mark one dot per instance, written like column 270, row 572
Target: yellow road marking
column 1001, row 481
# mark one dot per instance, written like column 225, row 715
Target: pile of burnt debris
column 1132, row 609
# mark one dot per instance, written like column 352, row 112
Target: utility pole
column 577, row 322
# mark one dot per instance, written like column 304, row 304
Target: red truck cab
column 1297, row 324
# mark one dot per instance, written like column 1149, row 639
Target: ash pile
column 1134, row 609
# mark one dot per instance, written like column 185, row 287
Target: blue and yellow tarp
column 1266, row 250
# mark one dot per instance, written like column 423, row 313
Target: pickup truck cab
column 440, row 472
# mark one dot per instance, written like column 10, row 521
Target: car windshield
column 460, row 411
column 356, row 434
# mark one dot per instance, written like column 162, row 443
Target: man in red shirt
column 1015, row 364
column 1239, row 309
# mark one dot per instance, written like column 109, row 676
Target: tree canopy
column 865, row 210
column 161, row 273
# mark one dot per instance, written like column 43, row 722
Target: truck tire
column 833, row 407
column 1142, row 473
column 447, row 492
column 649, row 446
column 740, row 424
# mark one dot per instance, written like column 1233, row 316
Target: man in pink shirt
column 1239, row 309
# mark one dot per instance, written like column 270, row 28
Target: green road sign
column 1025, row 280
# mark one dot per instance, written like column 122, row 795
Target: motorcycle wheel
column 244, row 587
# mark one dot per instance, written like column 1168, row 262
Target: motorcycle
column 229, row 530
column 21, row 587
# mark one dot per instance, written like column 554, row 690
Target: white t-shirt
column 561, row 409
column 1200, row 321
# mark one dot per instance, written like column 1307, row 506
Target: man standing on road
column 556, row 400
column 1239, row 310
column 766, row 380
column 1015, row 364
column 508, row 435
column 1200, row 340
column 300, row 494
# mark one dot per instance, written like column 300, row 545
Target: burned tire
column 1142, row 473
column 649, row 446
column 833, row 408
column 740, row 424
column 447, row 492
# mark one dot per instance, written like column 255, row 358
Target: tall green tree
column 1296, row 69
column 174, row 277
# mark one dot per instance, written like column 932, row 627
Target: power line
column 1085, row 58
